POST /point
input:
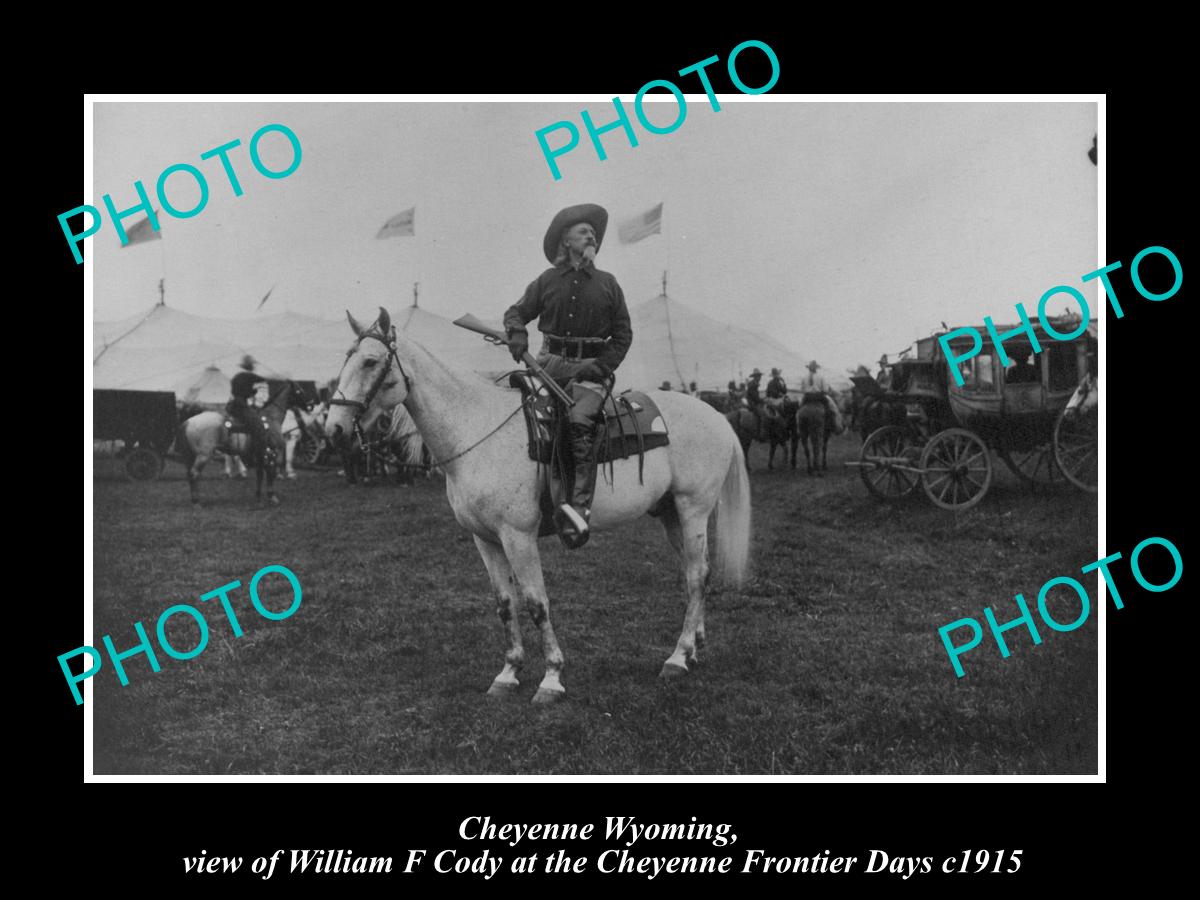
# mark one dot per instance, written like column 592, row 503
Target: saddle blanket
column 632, row 423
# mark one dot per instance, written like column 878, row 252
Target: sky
column 842, row 230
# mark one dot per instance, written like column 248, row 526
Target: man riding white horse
column 243, row 387
column 586, row 333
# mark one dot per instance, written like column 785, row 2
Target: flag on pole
column 264, row 299
column 400, row 225
column 648, row 223
column 142, row 232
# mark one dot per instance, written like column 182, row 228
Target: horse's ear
column 385, row 321
column 358, row 329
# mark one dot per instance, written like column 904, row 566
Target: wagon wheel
column 143, row 464
column 957, row 469
column 1036, row 466
column 1075, row 447
column 311, row 449
column 884, row 454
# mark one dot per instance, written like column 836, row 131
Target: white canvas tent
column 170, row 350
column 674, row 343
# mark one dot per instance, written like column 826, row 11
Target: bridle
column 393, row 356
column 363, row 405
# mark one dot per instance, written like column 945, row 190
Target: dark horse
column 814, row 422
column 264, row 447
column 776, row 431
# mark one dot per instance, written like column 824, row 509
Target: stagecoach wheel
column 957, row 469
column 1076, row 447
column 143, row 464
column 1036, row 466
column 883, row 454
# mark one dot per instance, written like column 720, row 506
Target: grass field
column 828, row 662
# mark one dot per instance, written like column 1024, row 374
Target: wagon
column 1038, row 416
column 145, row 421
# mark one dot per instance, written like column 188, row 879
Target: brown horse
column 813, row 430
column 776, row 431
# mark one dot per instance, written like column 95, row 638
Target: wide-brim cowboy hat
column 755, row 372
column 776, row 371
column 813, row 364
column 596, row 216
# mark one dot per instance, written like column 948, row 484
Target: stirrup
column 572, row 526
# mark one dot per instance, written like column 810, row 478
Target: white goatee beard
column 589, row 255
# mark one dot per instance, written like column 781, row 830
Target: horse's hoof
column 274, row 500
column 503, row 690
column 672, row 670
column 545, row 696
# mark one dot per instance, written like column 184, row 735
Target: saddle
column 631, row 425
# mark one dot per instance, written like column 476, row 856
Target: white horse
column 475, row 433
column 311, row 421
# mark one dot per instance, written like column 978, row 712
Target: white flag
column 648, row 223
column 400, row 225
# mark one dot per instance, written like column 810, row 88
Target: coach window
column 1064, row 366
column 982, row 376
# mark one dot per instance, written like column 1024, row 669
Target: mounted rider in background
column 816, row 390
column 243, row 386
column 776, row 392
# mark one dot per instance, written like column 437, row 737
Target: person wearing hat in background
column 776, row 388
column 753, row 397
column 243, row 387
column 815, row 387
column 586, row 333
column 884, row 378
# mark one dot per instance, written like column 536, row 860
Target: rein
column 363, row 405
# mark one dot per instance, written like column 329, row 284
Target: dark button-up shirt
column 242, row 384
column 576, row 303
column 776, row 388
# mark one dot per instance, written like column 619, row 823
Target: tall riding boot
column 572, row 517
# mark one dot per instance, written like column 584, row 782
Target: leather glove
column 591, row 371
column 518, row 344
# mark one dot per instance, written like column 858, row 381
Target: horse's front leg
column 272, row 464
column 521, row 549
column 505, row 588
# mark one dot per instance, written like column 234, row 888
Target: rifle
column 493, row 336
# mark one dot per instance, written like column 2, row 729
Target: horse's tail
column 733, row 520
column 183, row 446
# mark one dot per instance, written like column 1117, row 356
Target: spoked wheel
column 957, row 469
column 888, row 462
column 143, row 464
column 1036, row 466
column 1076, row 447
column 311, row 449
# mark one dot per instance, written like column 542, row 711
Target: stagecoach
column 1039, row 417
column 144, row 421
